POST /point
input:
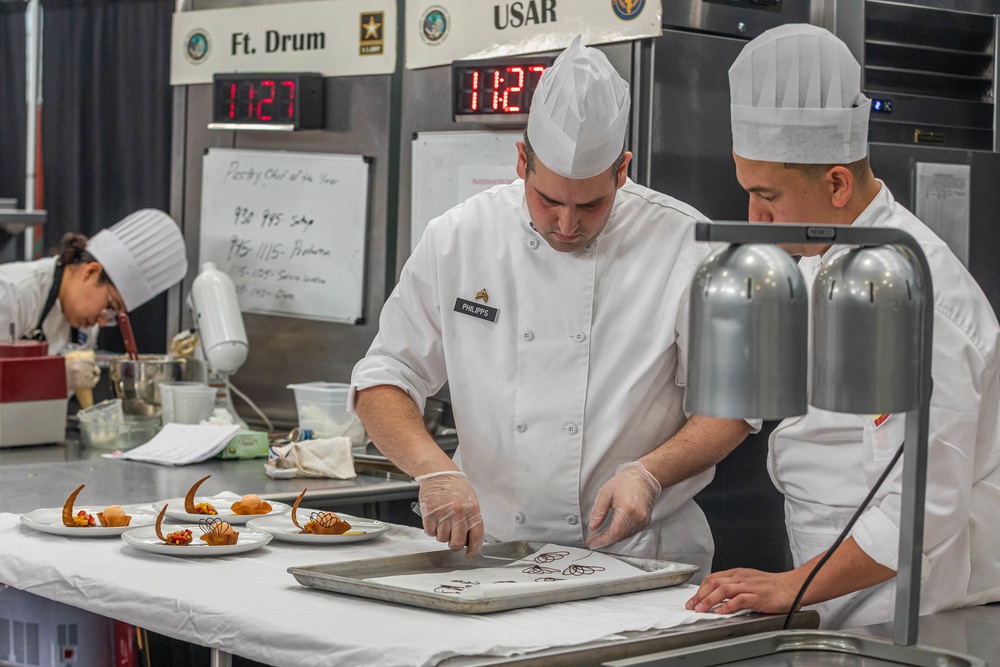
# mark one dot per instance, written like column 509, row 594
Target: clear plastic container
column 101, row 423
column 137, row 431
column 190, row 402
column 322, row 408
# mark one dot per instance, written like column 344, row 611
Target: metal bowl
column 137, row 382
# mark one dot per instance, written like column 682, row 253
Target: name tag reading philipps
column 479, row 310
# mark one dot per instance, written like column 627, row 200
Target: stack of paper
column 181, row 444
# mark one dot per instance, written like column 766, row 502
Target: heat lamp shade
column 748, row 354
column 867, row 309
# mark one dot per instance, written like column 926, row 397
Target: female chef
column 62, row 299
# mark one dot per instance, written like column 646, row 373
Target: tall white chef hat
column 143, row 254
column 796, row 97
column 579, row 113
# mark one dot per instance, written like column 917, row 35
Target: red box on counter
column 33, row 394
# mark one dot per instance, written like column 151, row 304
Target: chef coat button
column 533, row 243
column 519, row 518
column 571, row 429
column 528, row 336
column 589, row 247
column 580, row 337
column 572, row 519
column 521, row 427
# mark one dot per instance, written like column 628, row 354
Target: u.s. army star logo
column 481, row 294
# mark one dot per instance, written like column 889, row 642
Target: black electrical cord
column 840, row 538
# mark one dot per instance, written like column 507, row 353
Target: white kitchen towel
column 181, row 444
column 321, row 457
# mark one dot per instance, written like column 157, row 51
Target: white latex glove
column 450, row 510
column 81, row 373
column 629, row 497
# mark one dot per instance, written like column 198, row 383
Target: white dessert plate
column 145, row 539
column 283, row 529
column 222, row 504
column 49, row 520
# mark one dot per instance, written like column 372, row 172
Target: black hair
column 74, row 251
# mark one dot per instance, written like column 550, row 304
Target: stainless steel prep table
column 41, row 476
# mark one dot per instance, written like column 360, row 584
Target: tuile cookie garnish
column 178, row 538
column 114, row 516
column 81, row 519
column 295, row 508
column 197, row 508
column 251, row 504
column 217, row 532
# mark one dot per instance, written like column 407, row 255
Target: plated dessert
column 87, row 521
column 111, row 516
column 322, row 528
column 235, row 509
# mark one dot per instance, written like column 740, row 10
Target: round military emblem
column 197, row 47
column 434, row 25
column 627, row 10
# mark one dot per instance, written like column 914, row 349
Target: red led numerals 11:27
column 501, row 90
column 261, row 100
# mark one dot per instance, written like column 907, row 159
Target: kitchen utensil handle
column 126, row 328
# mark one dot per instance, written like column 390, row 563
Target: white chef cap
column 579, row 113
column 796, row 97
column 143, row 254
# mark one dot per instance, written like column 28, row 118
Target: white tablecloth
column 249, row 605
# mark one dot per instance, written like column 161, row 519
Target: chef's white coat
column 582, row 370
column 24, row 287
column 825, row 462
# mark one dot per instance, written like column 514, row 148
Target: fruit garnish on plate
column 79, row 520
column 177, row 538
column 197, row 508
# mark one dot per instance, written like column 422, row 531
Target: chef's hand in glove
column 81, row 372
column 629, row 496
column 450, row 510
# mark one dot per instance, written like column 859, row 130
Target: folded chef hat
column 143, row 254
column 579, row 113
column 796, row 97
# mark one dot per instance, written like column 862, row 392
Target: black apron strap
column 50, row 300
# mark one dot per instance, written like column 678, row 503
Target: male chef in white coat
column 554, row 307
column 800, row 127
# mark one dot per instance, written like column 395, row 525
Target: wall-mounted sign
column 439, row 32
column 331, row 37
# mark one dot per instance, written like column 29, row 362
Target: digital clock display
column 497, row 90
column 268, row 100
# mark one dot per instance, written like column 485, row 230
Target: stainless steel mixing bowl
column 137, row 382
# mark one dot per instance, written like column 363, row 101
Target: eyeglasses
column 109, row 316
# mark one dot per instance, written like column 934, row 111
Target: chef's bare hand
column 742, row 588
column 81, row 373
column 450, row 509
column 630, row 494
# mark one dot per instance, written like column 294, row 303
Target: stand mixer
column 219, row 327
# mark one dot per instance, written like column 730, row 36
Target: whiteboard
column 289, row 229
column 450, row 167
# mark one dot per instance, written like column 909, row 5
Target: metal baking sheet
column 353, row 577
column 803, row 648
